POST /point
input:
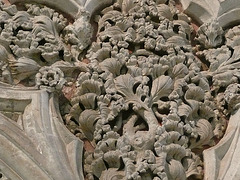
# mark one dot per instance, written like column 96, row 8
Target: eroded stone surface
column 144, row 95
column 37, row 146
column 225, row 11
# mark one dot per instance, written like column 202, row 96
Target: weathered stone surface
column 221, row 161
column 225, row 11
column 37, row 145
column 144, row 90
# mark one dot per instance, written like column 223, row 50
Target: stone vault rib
column 38, row 146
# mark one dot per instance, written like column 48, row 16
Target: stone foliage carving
column 224, row 70
column 143, row 94
column 36, row 51
column 144, row 105
column 210, row 35
column 50, row 77
column 39, row 37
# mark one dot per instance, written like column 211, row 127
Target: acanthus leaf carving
column 162, row 87
column 87, row 119
column 145, row 100
column 124, row 85
column 210, row 34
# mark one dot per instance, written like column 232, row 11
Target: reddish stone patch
column 69, row 91
column 6, row 2
column 88, row 146
column 85, row 60
column 179, row 5
column 195, row 26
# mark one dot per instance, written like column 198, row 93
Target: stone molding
column 37, row 145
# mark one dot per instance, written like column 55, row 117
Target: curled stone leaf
column 176, row 170
column 86, row 101
column 90, row 86
column 195, row 93
column 127, row 5
column 164, row 11
column 98, row 167
column 210, row 34
column 112, row 158
column 111, row 65
column 87, row 120
column 232, row 37
column 162, row 86
column 112, row 174
column 193, row 166
column 231, row 96
column 24, row 66
column 124, row 85
column 205, row 132
column 180, row 70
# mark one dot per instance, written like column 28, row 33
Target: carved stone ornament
column 119, row 89
column 34, row 141
column 225, row 11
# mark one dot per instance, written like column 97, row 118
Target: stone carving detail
column 225, row 11
column 39, row 37
column 37, row 145
column 210, row 34
column 143, row 94
column 50, row 77
column 224, row 69
column 144, row 105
